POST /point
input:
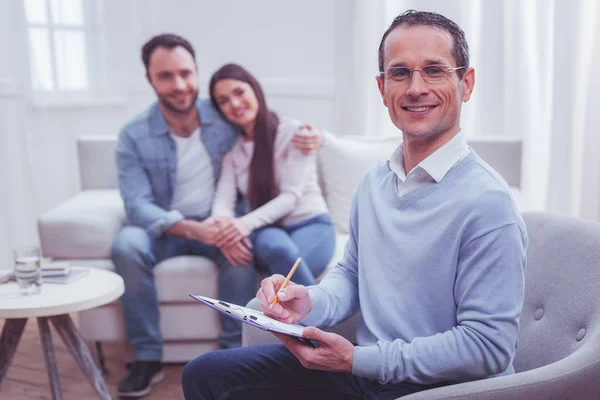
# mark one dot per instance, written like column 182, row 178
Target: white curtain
column 537, row 79
column 16, row 179
column 38, row 163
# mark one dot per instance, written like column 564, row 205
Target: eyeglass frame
column 447, row 72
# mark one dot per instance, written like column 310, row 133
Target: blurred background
column 71, row 68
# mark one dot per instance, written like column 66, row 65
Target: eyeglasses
column 429, row 73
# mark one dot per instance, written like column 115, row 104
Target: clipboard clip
column 241, row 314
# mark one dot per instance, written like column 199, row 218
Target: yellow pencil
column 285, row 283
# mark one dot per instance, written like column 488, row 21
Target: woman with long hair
column 288, row 217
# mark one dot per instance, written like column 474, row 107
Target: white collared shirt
column 433, row 168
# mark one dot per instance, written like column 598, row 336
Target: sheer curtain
column 38, row 165
column 535, row 80
column 16, row 221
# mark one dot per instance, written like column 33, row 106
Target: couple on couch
column 224, row 178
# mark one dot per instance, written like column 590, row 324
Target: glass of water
column 28, row 273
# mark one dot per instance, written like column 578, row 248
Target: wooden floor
column 27, row 377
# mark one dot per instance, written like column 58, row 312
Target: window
column 59, row 39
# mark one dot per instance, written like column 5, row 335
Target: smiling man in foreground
column 434, row 260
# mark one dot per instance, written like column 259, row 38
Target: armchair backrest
column 561, row 313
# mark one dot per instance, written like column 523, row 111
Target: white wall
column 289, row 46
column 296, row 49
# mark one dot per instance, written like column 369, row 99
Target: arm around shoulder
column 226, row 191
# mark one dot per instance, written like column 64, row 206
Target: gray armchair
column 558, row 355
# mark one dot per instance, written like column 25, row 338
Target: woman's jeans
column 312, row 240
column 267, row 372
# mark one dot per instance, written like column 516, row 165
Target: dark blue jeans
column 312, row 240
column 271, row 372
column 135, row 254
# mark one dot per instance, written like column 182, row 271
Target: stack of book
column 62, row 272
column 52, row 272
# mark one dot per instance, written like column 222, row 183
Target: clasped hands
column 231, row 236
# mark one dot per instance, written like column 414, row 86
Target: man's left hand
column 334, row 353
column 307, row 139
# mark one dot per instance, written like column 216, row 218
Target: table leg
column 101, row 359
column 68, row 332
column 11, row 334
column 48, row 349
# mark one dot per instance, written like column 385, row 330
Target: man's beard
column 164, row 100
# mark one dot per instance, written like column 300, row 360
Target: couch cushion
column 106, row 322
column 82, row 227
column 340, row 246
column 342, row 162
column 176, row 277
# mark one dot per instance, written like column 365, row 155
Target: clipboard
column 255, row 318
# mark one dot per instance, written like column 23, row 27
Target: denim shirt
column 146, row 157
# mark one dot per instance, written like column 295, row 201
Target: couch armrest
column 252, row 336
column 82, row 227
column 95, row 172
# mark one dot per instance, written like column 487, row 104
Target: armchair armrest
column 82, row 227
column 573, row 377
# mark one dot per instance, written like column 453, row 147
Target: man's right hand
column 206, row 231
column 202, row 231
column 294, row 302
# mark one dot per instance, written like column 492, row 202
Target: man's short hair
column 166, row 40
column 460, row 49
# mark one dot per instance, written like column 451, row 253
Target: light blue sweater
column 437, row 274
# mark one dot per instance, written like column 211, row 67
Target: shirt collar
column 396, row 162
column 436, row 164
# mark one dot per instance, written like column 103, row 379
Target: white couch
column 82, row 229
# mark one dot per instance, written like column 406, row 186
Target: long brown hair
column 261, row 180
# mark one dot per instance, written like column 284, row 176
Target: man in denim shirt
column 169, row 159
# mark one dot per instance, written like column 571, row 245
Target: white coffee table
column 54, row 304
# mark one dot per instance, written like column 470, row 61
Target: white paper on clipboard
column 252, row 317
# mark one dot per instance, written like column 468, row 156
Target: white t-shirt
column 195, row 183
